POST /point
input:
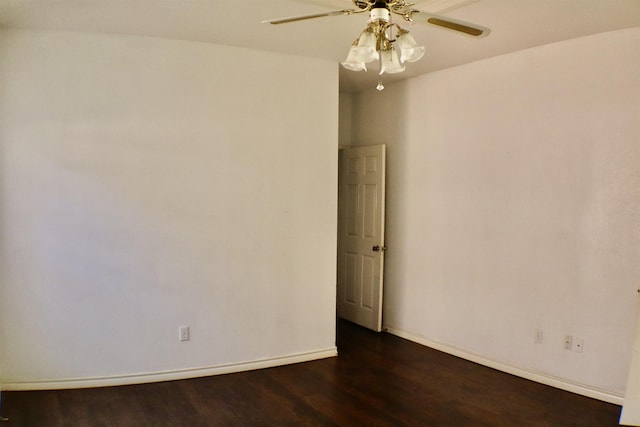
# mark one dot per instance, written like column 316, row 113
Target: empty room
column 319, row 212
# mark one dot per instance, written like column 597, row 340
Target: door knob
column 378, row 248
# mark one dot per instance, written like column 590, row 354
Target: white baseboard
column 539, row 377
column 180, row 374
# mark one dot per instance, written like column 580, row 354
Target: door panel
column 369, row 280
column 369, row 213
column 351, row 278
column 361, row 229
column 352, row 210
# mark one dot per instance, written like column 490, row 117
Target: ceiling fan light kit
column 380, row 41
column 386, row 42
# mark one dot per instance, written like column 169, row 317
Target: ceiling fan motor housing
column 379, row 14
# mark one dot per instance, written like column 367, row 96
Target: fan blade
column 448, row 23
column 329, row 4
column 315, row 15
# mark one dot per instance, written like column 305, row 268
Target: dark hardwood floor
column 378, row 380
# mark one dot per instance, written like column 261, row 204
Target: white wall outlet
column 184, row 333
column 578, row 345
column 539, row 334
column 568, row 342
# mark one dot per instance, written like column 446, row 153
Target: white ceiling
column 515, row 25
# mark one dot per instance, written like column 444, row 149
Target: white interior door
column 361, row 235
column 631, row 410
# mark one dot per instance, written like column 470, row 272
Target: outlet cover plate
column 184, row 333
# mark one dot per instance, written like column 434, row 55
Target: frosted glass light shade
column 367, row 47
column 354, row 60
column 363, row 51
column 409, row 49
column 389, row 62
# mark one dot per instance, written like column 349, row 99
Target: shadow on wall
column 4, row 320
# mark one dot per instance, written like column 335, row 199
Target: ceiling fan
column 381, row 39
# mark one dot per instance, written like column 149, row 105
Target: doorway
column 361, row 246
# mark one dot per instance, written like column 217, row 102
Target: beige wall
column 148, row 184
column 514, row 204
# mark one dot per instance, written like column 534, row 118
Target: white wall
column 149, row 183
column 514, row 204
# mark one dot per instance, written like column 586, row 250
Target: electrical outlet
column 538, row 336
column 578, row 345
column 568, row 342
column 184, row 333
